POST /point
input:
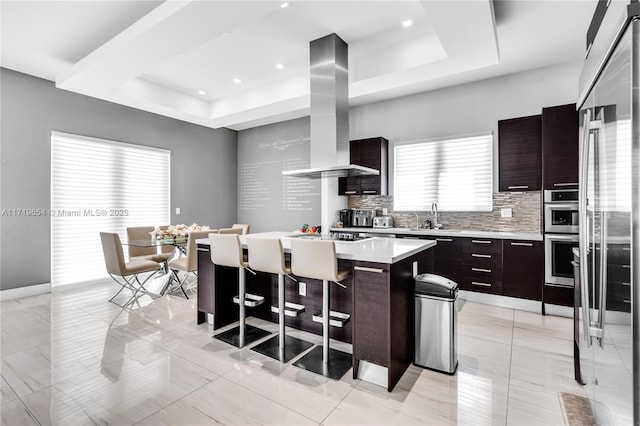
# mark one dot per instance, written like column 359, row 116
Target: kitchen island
column 378, row 297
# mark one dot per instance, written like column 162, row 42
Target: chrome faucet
column 417, row 221
column 434, row 212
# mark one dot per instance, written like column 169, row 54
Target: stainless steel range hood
column 335, row 171
column 330, row 113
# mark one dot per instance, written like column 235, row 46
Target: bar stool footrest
column 250, row 300
column 336, row 319
column 290, row 309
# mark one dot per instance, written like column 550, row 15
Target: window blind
column 96, row 186
column 457, row 173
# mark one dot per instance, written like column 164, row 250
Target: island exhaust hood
column 330, row 113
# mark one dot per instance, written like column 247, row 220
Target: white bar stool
column 226, row 250
column 316, row 259
column 266, row 255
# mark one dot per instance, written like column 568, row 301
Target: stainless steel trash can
column 436, row 317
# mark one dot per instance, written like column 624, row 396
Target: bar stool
column 316, row 259
column 266, row 255
column 226, row 250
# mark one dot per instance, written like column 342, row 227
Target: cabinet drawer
column 483, row 284
column 478, row 272
column 483, row 260
column 482, row 246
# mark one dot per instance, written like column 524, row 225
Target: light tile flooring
column 71, row 357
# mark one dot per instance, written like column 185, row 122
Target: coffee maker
column 346, row 217
column 363, row 218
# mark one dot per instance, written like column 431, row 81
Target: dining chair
column 237, row 231
column 189, row 263
column 127, row 271
column 244, row 226
column 226, row 251
column 147, row 253
column 316, row 259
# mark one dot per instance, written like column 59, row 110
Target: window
column 455, row 172
column 99, row 185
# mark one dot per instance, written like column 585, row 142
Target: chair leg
column 325, row 321
column 281, row 306
column 282, row 347
column 244, row 333
column 242, row 296
column 328, row 362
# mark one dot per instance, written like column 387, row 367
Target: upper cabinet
column 560, row 147
column 520, row 151
column 371, row 153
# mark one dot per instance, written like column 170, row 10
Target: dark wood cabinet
column 520, row 153
column 482, row 265
column 371, row 153
column 383, row 314
column 447, row 257
column 523, row 269
column 560, row 147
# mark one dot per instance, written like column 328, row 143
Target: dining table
column 160, row 284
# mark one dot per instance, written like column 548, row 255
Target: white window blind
column 96, row 186
column 456, row 172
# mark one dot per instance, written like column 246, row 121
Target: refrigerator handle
column 583, row 231
column 602, row 306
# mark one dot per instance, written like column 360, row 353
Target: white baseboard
column 515, row 303
column 31, row 290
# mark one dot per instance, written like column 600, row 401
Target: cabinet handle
column 574, row 263
column 448, row 240
column 349, row 192
column 522, row 244
column 626, row 284
column 486, row 256
column 626, row 301
column 481, row 242
column 480, row 270
column 566, row 184
column 482, row 284
column 626, row 248
column 369, row 192
column 626, row 266
column 518, row 187
column 366, row 269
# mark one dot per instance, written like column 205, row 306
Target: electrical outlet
column 302, row 288
column 385, row 211
column 177, row 210
column 506, row 212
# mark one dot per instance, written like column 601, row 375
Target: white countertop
column 379, row 250
column 447, row 232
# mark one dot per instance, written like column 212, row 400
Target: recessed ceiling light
column 285, row 4
column 237, row 81
column 407, row 23
column 201, row 92
column 280, row 66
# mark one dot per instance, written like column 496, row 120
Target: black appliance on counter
column 346, row 217
column 357, row 218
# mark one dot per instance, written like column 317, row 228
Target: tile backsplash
column 526, row 208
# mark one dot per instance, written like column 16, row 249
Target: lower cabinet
column 383, row 314
column 523, row 271
column 482, row 265
column 513, row 268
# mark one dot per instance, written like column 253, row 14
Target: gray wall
column 203, row 165
column 267, row 200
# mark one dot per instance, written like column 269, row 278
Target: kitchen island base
column 378, row 297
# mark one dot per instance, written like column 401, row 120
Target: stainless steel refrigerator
column 609, row 208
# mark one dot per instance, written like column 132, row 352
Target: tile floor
column 71, row 357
